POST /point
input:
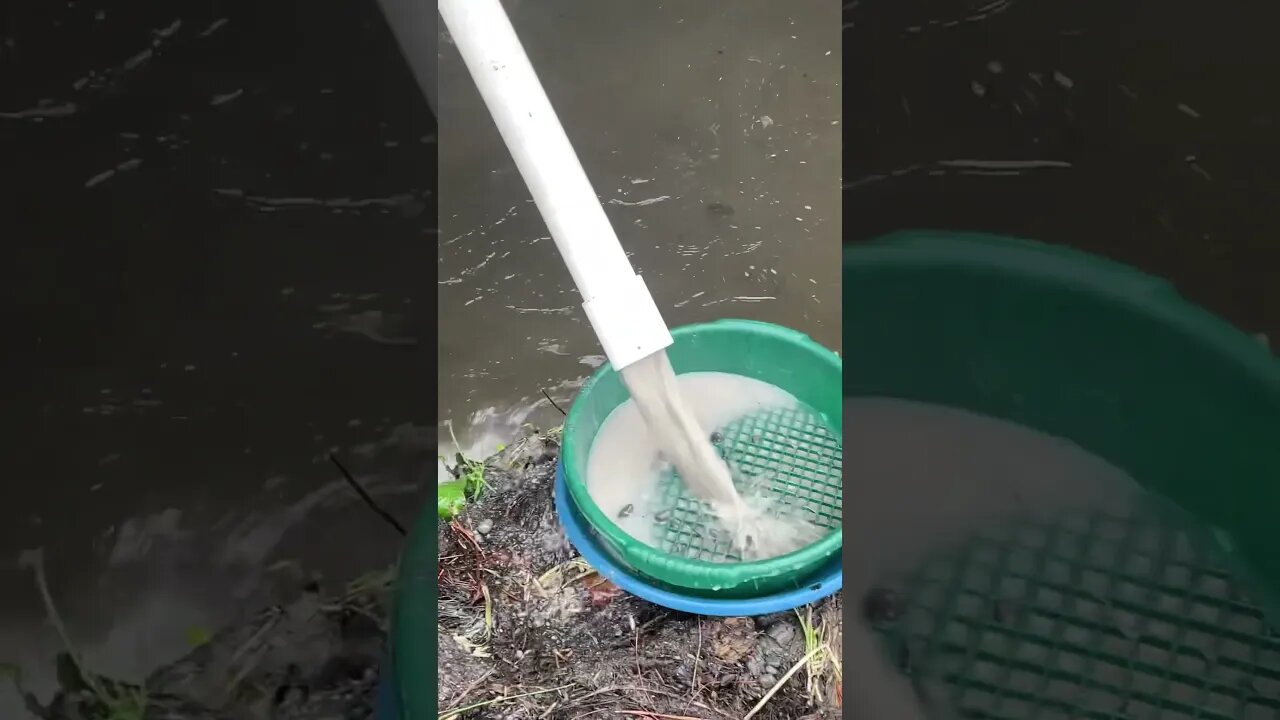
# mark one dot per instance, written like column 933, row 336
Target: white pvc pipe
column 616, row 301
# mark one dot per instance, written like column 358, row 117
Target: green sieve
column 1143, row 614
column 1165, row 609
column 796, row 451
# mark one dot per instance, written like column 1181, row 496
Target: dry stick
column 636, row 630
column 673, row 696
column 469, row 688
column 553, row 403
column 368, row 499
column 696, row 685
column 782, row 681
column 51, row 611
column 495, row 701
column 661, row 715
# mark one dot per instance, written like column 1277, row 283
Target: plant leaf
column 450, row 498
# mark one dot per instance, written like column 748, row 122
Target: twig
column 782, row 681
column 368, row 500
column 594, row 693
column 673, row 696
column 662, row 716
column 695, row 686
column 267, row 624
column 494, row 701
column 51, row 611
column 636, row 631
column 553, row 403
column 467, row 691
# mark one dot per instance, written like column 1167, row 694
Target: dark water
column 710, row 131
column 218, row 232
column 1141, row 131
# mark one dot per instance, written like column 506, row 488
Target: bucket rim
column 642, row 557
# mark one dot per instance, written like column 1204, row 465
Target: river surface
column 217, row 225
column 711, row 133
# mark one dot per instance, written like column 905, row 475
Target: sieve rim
column 675, row 570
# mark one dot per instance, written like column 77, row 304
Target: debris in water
column 226, row 97
column 640, row 203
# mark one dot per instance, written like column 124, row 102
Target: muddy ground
column 522, row 615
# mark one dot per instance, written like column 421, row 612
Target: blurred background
column 1136, row 130
column 217, row 229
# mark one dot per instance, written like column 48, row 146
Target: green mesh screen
column 1094, row 616
column 788, row 453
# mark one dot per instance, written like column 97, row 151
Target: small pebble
column 717, row 438
column 484, row 526
column 662, row 517
column 626, row 511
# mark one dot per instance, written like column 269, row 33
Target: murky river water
column 217, row 226
column 711, row 132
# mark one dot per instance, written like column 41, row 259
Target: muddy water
column 211, row 279
column 711, row 132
